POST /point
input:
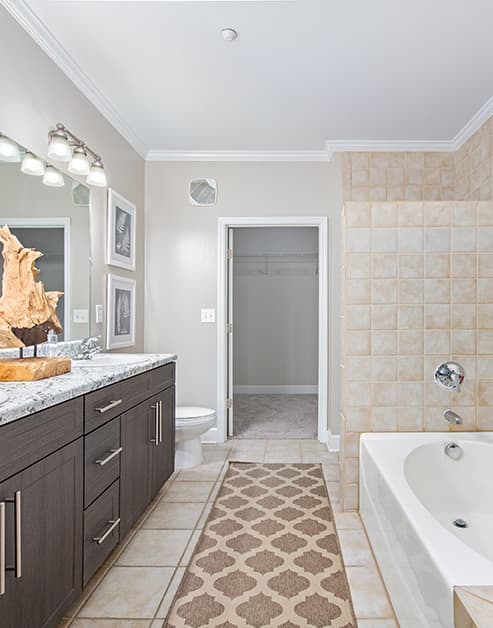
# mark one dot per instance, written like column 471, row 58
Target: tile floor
column 136, row 586
column 275, row 416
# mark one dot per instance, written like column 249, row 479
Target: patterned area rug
column 268, row 555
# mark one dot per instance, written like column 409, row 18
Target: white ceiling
column 301, row 72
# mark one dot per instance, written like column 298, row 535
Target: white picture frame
column 121, row 226
column 120, row 312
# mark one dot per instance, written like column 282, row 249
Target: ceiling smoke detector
column 229, row 34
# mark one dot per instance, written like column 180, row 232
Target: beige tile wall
column 398, row 176
column 474, row 166
column 418, row 284
column 417, row 176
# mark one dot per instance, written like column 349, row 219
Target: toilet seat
column 185, row 413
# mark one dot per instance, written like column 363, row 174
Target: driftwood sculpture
column 27, row 312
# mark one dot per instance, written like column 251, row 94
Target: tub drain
column 460, row 523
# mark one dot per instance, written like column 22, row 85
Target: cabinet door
column 163, row 452
column 42, row 506
column 137, row 430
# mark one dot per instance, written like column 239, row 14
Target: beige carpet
column 268, row 555
column 270, row 417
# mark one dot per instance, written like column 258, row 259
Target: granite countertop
column 473, row 607
column 25, row 398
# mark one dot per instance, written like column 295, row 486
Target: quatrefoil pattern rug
column 268, row 555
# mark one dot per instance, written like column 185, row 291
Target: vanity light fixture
column 97, row 175
column 59, row 147
column 65, row 146
column 9, row 150
column 32, row 165
column 79, row 164
column 53, row 178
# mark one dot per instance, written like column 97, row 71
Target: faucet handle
column 449, row 375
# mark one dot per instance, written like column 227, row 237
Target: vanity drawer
column 101, row 459
column 102, row 405
column 25, row 441
column 101, row 529
column 141, row 387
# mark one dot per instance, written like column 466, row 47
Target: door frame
column 219, row 434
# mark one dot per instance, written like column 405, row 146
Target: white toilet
column 191, row 423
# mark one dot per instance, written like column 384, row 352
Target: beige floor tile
column 208, row 471
column 128, row 593
column 157, row 623
column 348, row 521
column 187, row 556
column 355, row 548
column 155, row 548
column 331, row 472
column 247, row 456
column 334, row 489
column 377, row 623
column 110, row 623
column 174, row 516
column 188, row 492
column 204, row 515
column 368, row 593
column 282, row 457
column 170, row 593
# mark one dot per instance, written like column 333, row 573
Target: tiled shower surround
column 418, row 280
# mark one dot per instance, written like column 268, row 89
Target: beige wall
column 418, row 290
column 474, row 166
column 182, row 251
column 36, row 95
column 419, row 176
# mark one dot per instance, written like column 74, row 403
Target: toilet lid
column 193, row 412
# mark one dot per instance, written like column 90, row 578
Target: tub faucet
column 452, row 417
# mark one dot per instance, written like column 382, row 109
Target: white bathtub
column 410, row 493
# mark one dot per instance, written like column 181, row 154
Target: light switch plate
column 207, row 315
column 99, row 314
column 80, row 316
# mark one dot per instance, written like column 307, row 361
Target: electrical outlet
column 207, row 315
column 99, row 314
column 80, row 316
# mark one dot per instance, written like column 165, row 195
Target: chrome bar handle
column 155, row 407
column 2, row 548
column 113, row 452
column 18, row 534
column 110, row 406
column 113, row 524
column 160, row 421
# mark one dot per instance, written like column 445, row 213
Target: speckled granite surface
column 473, row 607
column 25, row 398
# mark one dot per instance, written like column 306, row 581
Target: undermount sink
column 101, row 360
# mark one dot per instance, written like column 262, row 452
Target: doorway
column 272, row 328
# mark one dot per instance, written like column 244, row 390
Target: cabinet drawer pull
column 17, row 501
column 114, row 523
column 110, row 406
column 113, row 452
column 2, row 548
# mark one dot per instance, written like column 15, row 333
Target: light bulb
column 32, row 165
column 79, row 164
column 97, row 175
column 53, row 178
column 9, row 151
column 59, row 147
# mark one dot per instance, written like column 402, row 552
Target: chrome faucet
column 452, row 417
column 88, row 348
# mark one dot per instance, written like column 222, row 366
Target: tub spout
column 452, row 417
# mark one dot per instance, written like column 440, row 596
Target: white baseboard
column 333, row 442
column 276, row 390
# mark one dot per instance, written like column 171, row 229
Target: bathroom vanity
column 81, row 457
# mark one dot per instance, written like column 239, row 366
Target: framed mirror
column 49, row 211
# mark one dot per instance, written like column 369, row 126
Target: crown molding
column 45, row 39
column 475, row 123
column 239, row 155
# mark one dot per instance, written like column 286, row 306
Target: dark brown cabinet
column 42, row 510
column 74, row 479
